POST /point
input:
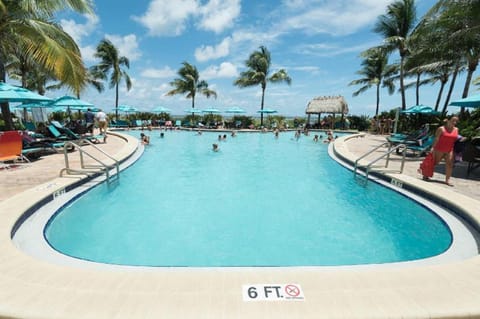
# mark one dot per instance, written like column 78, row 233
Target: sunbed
column 63, row 133
column 11, row 147
column 422, row 147
column 118, row 124
column 411, row 138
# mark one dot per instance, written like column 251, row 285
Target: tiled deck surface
column 31, row 288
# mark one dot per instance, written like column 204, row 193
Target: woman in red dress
column 445, row 138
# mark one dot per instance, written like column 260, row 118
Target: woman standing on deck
column 445, row 138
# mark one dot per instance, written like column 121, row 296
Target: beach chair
column 63, row 133
column 178, row 123
column 118, row 124
column 471, row 154
column 11, row 147
column 30, row 126
column 33, row 148
column 411, row 138
column 422, row 147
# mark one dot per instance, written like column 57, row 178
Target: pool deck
column 32, row 288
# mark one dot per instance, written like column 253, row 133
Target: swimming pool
column 259, row 201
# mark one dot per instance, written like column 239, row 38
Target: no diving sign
column 273, row 292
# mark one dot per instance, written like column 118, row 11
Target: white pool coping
column 35, row 288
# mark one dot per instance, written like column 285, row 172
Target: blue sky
column 317, row 41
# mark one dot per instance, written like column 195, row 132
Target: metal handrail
column 85, row 169
column 387, row 154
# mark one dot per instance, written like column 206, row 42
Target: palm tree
column 375, row 72
column 189, row 83
column 27, row 26
column 459, row 20
column 258, row 73
column 396, row 26
column 111, row 64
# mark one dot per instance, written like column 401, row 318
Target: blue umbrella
column 470, row 101
column 211, row 110
column 12, row 93
column 192, row 110
column 420, row 109
column 127, row 109
column 235, row 110
column 267, row 111
column 161, row 109
column 72, row 102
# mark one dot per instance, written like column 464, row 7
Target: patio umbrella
column 211, row 110
column 421, row 109
column 72, row 102
column 12, row 93
column 193, row 111
column 161, row 109
column 470, row 101
column 235, row 110
column 267, row 111
column 127, row 109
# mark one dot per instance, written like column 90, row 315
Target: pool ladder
column 390, row 150
column 101, row 167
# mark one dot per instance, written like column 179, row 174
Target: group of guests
column 381, row 125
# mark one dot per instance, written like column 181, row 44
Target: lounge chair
column 422, row 147
column 472, row 154
column 33, row 148
column 118, row 124
column 178, row 123
column 411, row 138
column 11, row 147
column 63, row 133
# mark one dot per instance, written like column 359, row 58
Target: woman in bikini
column 445, row 138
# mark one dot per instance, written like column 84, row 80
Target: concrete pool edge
column 36, row 289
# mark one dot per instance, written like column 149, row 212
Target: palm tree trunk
column 261, row 106
column 417, row 92
column 116, row 102
column 439, row 97
column 378, row 99
column 450, row 90
column 472, row 66
column 402, row 86
column 7, row 116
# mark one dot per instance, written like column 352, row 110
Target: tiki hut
column 329, row 105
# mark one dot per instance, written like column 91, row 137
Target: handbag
column 427, row 165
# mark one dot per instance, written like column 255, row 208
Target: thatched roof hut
column 327, row 104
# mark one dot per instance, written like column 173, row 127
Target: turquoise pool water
column 259, row 201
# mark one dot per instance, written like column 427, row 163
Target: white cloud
column 166, row 72
column 127, row 45
column 88, row 53
column 206, row 53
column 166, row 17
column 224, row 70
column 332, row 49
column 170, row 18
column 217, row 15
column 78, row 30
column 336, row 17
